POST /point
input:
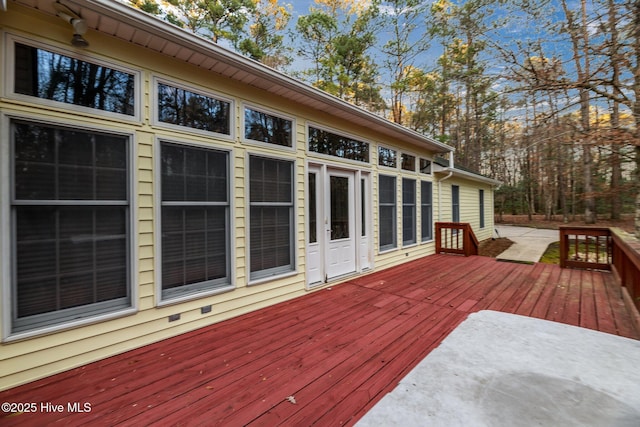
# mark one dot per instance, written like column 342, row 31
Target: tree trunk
column 616, row 169
column 636, row 104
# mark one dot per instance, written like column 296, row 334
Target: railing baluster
column 587, row 252
column 465, row 242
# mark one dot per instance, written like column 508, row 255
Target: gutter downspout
column 440, row 186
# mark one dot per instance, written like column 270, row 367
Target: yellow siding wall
column 29, row 358
column 469, row 205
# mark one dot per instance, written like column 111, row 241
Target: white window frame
column 430, row 166
column 269, row 275
column 481, row 202
column 413, row 242
column 422, row 207
column 7, row 236
column 416, row 162
column 202, row 289
column 455, row 203
column 9, row 83
column 328, row 157
column 254, row 107
column 392, row 246
column 155, row 121
column 397, row 154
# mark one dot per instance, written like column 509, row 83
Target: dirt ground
column 538, row 221
column 494, row 247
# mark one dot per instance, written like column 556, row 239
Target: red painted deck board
column 337, row 352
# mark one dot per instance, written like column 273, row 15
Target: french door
column 338, row 223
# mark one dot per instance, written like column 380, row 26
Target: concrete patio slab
column 529, row 243
column 497, row 369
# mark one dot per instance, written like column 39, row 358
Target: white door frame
column 318, row 252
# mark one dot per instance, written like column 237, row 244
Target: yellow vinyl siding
column 43, row 353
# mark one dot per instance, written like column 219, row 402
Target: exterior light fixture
column 79, row 25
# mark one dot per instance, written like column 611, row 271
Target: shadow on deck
column 322, row 359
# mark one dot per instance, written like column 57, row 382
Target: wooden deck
column 323, row 359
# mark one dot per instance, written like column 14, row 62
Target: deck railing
column 456, row 238
column 603, row 249
column 585, row 247
column 626, row 263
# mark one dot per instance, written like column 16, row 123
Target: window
column 386, row 157
column 408, row 162
column 195, row 219
column 481, row 197
column 339, row 207
column 363, row 207
column 455, row 203
column 408, row 211
column 271, row 217
column 263, row 127
column 387, row 211
column 181, row 107
column 313, row 208
column 56, row 77
column 426, row 204
column 70, row 207
column 323, row 142
column 425, row 166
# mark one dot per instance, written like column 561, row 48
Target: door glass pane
column 363, row 208
column 313, row 215
column 339, row 207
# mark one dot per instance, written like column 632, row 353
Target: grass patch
column 552, row 254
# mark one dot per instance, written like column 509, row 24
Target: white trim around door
column 339, row 218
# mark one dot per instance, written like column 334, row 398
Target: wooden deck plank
column 485, row 280
column 158, row 358
column 220, row 364
column 605, row 318
column 529, row 280
column 339, row 406
column 336, row 351
column 543, row 304
column 356, row 401
column 621, row 316
column 571, row 312
column 326, row 386
column 354, row 356
column 588, row 315
column 559, row 301
column 508, row 286
column 530, row 300
column 260, row 391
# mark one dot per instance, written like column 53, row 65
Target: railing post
column 458, row 238
column 564, row 248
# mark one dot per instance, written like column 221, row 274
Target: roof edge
column 155, row 25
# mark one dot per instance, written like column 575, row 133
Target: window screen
column 387, row 211
column 408, row 211
column 195, row 219
column 271, row 216
column 426, row 203
column 70, row 207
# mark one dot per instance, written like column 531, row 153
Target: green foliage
column 338, row 39
column 149, row 6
